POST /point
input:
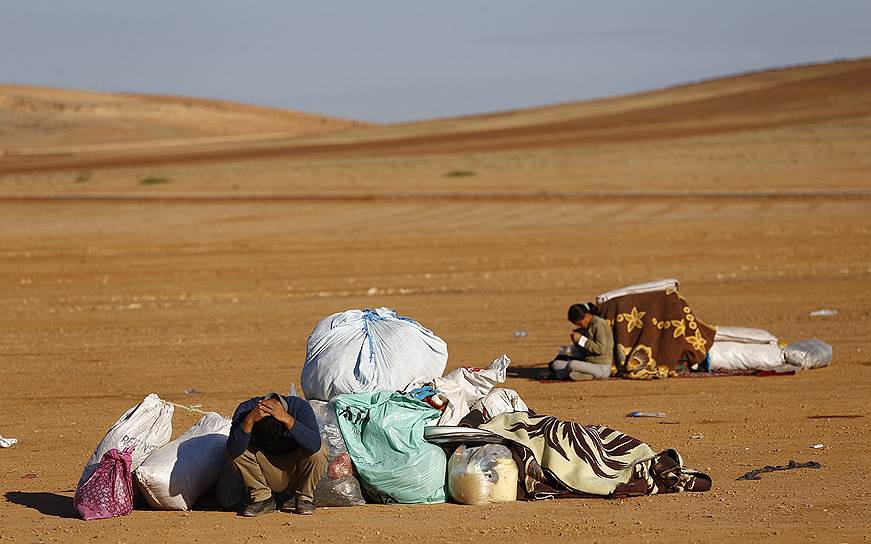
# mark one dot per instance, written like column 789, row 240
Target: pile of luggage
column 382, row 372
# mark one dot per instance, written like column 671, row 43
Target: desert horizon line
column 216, row 101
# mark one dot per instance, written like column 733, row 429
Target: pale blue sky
column 393, row 60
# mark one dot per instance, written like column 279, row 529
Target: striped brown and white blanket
column 556, row 457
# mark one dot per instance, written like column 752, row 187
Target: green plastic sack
column 384, row 434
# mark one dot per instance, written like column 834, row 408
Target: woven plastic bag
column 175, row 476
column 384, row 435
column 369, row 350
column 145, row 427
column 108, row 492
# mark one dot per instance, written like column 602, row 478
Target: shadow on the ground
column 533, row 373
column 49, row 504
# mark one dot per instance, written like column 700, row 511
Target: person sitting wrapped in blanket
column 591, row 353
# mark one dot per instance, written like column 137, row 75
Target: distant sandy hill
column 177, row 130
column 40, row 117
column 769, row 98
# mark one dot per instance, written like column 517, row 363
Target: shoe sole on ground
column 580, row 377
column 267, row 510
column 290, row 508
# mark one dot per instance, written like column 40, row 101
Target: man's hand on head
column 251, row 418
column 272, row 407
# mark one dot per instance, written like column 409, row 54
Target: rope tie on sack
column 191, row 408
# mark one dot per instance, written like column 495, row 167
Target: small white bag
column 146, row 427
column 810, row 353
column 178, row 474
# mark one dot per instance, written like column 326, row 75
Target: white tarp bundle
column 146, row 427
column 744, row 335
column 744, row 348
column 742, row 356
column 649, row 287
column 464, row 387
column 176, row 475
column 369, row 350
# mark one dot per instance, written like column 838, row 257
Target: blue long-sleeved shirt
column 303, row 434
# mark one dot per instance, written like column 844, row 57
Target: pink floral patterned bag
column 109, row 491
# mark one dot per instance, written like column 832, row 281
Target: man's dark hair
column 268, row 433
column 577, row 311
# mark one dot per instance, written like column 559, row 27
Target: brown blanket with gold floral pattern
column 656, row 335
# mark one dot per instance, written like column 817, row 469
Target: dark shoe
column 580, row 376
column 257, row 508
column 304, row 507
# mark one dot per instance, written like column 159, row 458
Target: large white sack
column 369, row 350
column 649, row 287
column 146, row 427
column 464, row 387
column 745, row 335
column 740, row 356
column 175, row 476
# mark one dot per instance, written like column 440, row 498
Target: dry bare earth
column 171, row 289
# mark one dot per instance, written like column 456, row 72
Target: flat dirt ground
column 113, row 289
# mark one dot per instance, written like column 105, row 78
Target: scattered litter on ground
column 818, row 446
column 645, row 414
column 835, row 416
column 698, row 436
column 754, row 474
column 7, row 442
column 824, row 312
column 669, row 422
column 520, row 333
column 191, row 391
column 30, row 476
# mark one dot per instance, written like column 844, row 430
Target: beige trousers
column 296, row 473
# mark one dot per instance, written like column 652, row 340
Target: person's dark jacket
column 303, row 434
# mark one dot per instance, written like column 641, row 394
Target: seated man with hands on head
column 592, row 350
column 275, row 446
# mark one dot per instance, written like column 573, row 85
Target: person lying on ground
column 592, row 352
column 275, row 446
